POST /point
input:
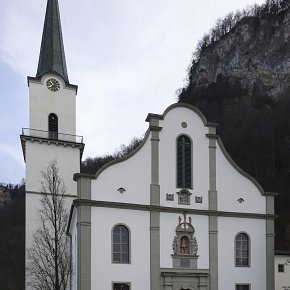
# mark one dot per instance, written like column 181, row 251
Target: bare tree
column 48, row 258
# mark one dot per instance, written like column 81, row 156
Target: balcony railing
column 52, row 135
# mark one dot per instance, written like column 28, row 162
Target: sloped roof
column 52, row 56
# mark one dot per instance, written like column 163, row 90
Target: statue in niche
column 184, row 249
column 184, row 245
column 184, row 242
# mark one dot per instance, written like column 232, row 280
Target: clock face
column 53, row 85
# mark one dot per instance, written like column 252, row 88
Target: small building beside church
column 175, row 214
column 282, row 270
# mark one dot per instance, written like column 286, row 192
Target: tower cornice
column 38, row 80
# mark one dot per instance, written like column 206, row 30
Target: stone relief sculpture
column 185, row 244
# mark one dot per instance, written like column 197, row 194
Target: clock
column 53, row 84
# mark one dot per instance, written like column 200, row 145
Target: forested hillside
column 12, row 232
column 240, row 78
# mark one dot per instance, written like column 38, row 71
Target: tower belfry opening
column 53, row 126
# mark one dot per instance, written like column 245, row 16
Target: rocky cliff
column 255, row 53
column 241, row 79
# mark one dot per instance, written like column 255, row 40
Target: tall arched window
column 183, row 162
column 120, row 244
column 53, row 126
column 242, row 250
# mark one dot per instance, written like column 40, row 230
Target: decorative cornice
column 25, row 138
column 77, row 176
column 271, row 193
column 212, row 136
column 43, row 193
column 142, row 207
column 184, row 272
column 155, row 128
column 38, row 80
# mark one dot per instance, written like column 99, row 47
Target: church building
column 176, row 213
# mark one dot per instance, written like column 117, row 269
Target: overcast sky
column 128, row 58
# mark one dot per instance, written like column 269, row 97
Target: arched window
column 183, row 162
column 120, row 244
column 53, row 126
column 242, row 250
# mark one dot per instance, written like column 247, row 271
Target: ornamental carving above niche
column 184, row 242
column 184, row 245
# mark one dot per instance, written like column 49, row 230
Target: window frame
column 183, row 185
column 248, row 250
column 53, row 134
column 129, row 246
column 121, row 282
column 283, row 268
column 242, row 284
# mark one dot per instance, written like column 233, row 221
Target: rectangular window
column 281, row 268
column 242, row 287
column 121, row 286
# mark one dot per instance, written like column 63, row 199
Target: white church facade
column 176, row 213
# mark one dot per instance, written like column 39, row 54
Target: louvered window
column 120, row 244
column 242, row 250
column 53, row 126
column 183, row 162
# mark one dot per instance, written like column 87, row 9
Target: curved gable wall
column 232, row 185
column 133, row 174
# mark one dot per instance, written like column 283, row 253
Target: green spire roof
column 52, row 58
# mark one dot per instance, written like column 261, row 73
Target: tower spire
column 52, row 57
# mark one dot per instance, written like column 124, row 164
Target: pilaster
column 270, row 236
column 213, row 222
column 84, row 233
column 154, row 200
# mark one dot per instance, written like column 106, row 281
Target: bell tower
column 52, row 121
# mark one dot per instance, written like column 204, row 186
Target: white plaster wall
column 167, row 151
column 38, row 157
column 282, row 280
column 133, row 174
column 228, row 274
column 103, row 271
column 231, row 186
column 32, row 222
column 42, row 102
column 73, row 236
column 168, row 224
